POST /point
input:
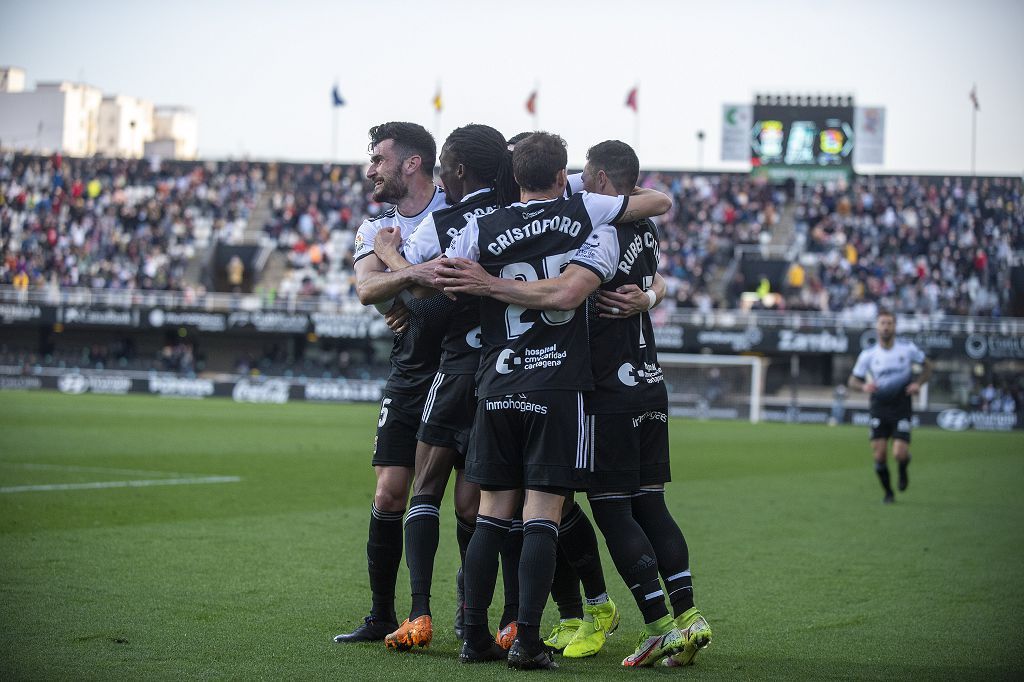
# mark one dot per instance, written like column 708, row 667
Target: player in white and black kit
column 534, row 367
column 627, row 414
column 401, row 167
column 627, row 426
column 476, row 171
column 887, row 371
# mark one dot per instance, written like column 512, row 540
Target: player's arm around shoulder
column 565, row 292
column 646, row 203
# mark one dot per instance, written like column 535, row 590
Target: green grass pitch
column 800, row 569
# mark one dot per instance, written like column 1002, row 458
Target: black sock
column 631, row 551
column 463, row 534
column 421, row 538
column 383, row 555
column 481, row 573
column 565, row 588
column 511, row 552
column 536, row 571
column 577, row 539
column 670, row 547
column 882, row 469
column 903, row 463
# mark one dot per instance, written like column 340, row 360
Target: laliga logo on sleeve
column 507, row 361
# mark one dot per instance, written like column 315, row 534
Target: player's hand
column 388, row 240
column 626, row 301
column 870, row 387
column 913, row 388
column 397, row 318
column 462, row 276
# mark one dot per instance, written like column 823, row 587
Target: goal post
column 714, row 386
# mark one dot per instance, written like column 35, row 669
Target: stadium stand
column 913, row 244
column 116, row 224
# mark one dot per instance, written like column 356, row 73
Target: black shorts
column 448, row 412
column 525, row 440
column 395, row 442
column 628, row 451
column 891, row 427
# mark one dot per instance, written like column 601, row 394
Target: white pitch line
column 119, row 484
column 101, row 470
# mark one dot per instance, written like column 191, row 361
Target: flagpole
column 536, row 116
column 438, row 105
column 334, row 135
column 636, row 117
column 974, row 135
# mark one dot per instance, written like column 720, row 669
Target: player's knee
column 390, row 495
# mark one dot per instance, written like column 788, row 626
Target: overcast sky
column 259, row 73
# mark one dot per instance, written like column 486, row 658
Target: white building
column 77, row 120
column 12, row 79
column 60, row 116
column 126, row 125
column 175, row 133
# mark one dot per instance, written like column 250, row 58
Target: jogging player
column 892, row 371
column 401, row 168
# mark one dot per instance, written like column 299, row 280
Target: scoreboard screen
column 788, row 140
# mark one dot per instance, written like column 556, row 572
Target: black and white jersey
column 529, row 350
column 460, row 348
column 627, row 376
column 367, row 232
column 416, row 352
column 892, row 371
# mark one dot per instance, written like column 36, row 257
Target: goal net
column 713, row 386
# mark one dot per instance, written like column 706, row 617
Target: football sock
column 903, row 464
column 565, row 588
column 463, row 534
column 536, row 571
column 882, row 469
column 670, row 547
column 383, row 556
column 577, row 539
column 631, row 551
column 511, row 552
column 421, row 538
column 481, row 573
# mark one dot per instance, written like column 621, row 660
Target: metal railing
column 716, row 319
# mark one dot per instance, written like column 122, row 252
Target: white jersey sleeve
column 574, row 183
column 917, row 355
column 466, row 243
column 604, row 209
column 365, row 236
column 860, row 368
column 600, row 253
column 423, row 244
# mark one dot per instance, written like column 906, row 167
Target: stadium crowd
column 911, row 244
column 113, row 223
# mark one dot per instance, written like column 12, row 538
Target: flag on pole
column 631, row 100
column 437, row 100
column 336, row 98
column 531, row 103
column 974, row 97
